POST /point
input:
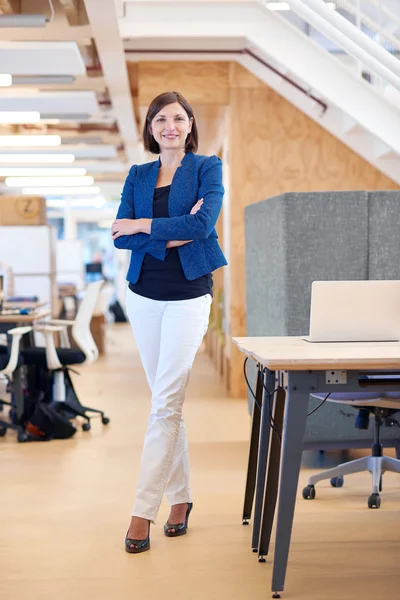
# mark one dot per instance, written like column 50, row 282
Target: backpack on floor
column 46, row 423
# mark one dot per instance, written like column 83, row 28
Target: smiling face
column 171, row 126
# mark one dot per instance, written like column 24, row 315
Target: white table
column 305, row 368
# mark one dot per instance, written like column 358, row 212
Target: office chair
column 10, row 360
column 383, row 406
column 58, row 360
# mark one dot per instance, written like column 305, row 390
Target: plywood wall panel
column 274, row 148
column 200, row 82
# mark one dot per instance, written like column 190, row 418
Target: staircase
column 338, row 91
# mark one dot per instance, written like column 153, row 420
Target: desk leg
column 271, row 490
column 262, row 458
column 293, row 436
column 253, row 453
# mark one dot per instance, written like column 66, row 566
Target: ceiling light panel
column 17, row 182
column 77, row 203
column 36, row 158
column 15, row 117
column 106, row 167
column 33, row 141
column 5, row 80
column 278, row 6
column 41, row 171
column 41, row 58
column 23, row 20
column 42, row 80
column 61, row 191
column 90, row 151
column 51, row 103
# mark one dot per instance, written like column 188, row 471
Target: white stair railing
column 378, row 33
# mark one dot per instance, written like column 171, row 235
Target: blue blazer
column 197, row 177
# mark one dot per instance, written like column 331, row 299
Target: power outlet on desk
column 336, row 377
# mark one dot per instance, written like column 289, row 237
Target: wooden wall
column 200, row 82
column 274, row 148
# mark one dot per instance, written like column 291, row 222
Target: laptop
column 355, row 311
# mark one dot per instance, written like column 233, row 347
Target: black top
column 165, row 279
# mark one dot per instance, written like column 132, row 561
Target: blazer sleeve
column 140, row 242
column 200, row 225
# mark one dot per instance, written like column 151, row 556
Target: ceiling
column 81, row 71
column 73, row 72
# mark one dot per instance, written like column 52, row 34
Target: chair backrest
column 81, row 327
column 104, row 299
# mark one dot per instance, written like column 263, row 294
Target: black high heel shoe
column 171, row 530
column 138, row 545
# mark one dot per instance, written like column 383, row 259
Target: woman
column 167, row 216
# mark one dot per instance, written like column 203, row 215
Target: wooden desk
column 16, row 305
column 301, row 368
column 14, row 320
column 17, row 320
column 295, row 354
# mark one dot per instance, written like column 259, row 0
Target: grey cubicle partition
column 296, row 238
column 384, row 235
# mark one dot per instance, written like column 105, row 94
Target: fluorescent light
column 36, row 158
column 43, row 80
column 32, row 141
column 278, row 6
column 78, row 203
column 13, row 182
column 5, row 80
column 40, row 171
column 61, row 191
column 23, row 20
column 285, row 5
column 15, row 117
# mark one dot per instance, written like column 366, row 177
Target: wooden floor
column 65, row 505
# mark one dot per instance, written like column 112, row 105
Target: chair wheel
column 3, row 431
column 337, row 481
column 23, row 437
column 105, row 420
column 86, row 427
column 309, row 492
column 374, row 501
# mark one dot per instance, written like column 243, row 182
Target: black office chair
column 10, row 360
column 383, row 407
column 57, row 361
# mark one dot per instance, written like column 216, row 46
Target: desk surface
column 25, row 319
column 295, row 354
column 14, row 305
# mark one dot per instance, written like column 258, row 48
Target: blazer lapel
column 146, row 195
column 182, row 186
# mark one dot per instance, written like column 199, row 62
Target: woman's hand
column 134, row 226
column 124, row 227
column 130, row 227
column 197, row 206
column 177, row 243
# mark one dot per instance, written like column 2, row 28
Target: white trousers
column 168, row 335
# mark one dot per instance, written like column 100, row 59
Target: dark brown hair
column 192, row 141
